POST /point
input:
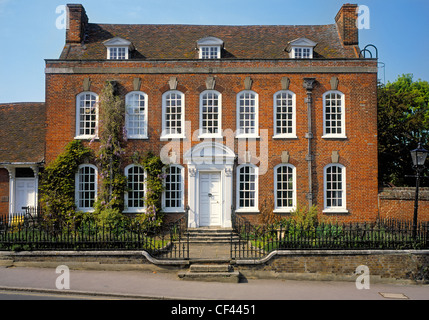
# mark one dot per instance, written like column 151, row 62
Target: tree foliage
column 403, row 120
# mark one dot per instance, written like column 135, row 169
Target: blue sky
column 28, row 32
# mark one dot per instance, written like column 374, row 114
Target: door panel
column 210, row 199
column 25, row 191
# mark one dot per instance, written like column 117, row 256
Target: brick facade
column 356, row 78
column 254, row 57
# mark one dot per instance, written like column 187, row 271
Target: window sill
column 136, row 210
column 87, row 138
column 85, row 210
column 247, row 210
column 284, row 210
column 178, row 210
column 330, row 136
column 138, row 138
column 336, row 210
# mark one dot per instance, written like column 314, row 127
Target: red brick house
column 248, row 117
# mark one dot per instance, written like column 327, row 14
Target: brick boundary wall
column 398, row 203
column 383, row 265
column 411, row 266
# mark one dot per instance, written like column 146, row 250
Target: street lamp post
column 418, row 156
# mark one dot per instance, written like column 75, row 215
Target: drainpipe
column 309, row 86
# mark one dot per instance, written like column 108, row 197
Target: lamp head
column 419, row 156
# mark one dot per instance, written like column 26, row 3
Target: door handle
column 210, row 195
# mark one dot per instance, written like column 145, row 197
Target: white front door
column 210, row 199
column 25, row 192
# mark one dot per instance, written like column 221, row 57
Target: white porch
column 23, row 186
column 210, row 185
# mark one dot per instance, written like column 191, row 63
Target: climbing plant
column 155, row 175
column 57, row 183
column 109, row 157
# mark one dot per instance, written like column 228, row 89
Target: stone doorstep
column 210, row 273
column 210, row 268
column 212, row 230
column 211, row 235
column 211, row 241
column 6, row 263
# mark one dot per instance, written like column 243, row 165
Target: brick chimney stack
column 77, row 22
column 346, row 20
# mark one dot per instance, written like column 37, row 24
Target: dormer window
column 301, row 48
column 210, row 48
column 117, row 53
column 118, row 49
column 210, row 53
column 302, row 53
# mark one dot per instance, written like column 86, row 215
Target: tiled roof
column 180, row 41
column 22, row 132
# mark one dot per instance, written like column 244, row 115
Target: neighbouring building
column 250, row 118
column 22, row 154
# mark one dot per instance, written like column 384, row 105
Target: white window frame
column 213, row 52
column 129, row 209
column 111, row 56
column 284, row 209
column 78, row 190
column 301, row 55
column 129, row 114
column 341, row 135
column 292, row 134
column 181, row 208
column 255, row 207
column 217, row 134
column 168, row 135
column 78, row 114
column 343, row 207
column 240, row 133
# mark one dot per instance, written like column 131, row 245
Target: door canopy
column 210, row 153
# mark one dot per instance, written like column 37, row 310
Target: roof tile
column 155, row 42
column 22, row 132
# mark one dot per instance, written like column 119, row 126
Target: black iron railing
column 258, row 241
column 32, row 232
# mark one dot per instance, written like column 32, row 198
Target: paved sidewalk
column 146, row 285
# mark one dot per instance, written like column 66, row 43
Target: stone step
column 211, row 235
column 210, row 273
column 210, row 268
column 213, row 231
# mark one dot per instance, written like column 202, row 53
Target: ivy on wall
column 155, row 175
column 109, row 156
column 58, row 179
column 57, row 183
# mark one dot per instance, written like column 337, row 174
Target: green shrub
column 108, row 217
